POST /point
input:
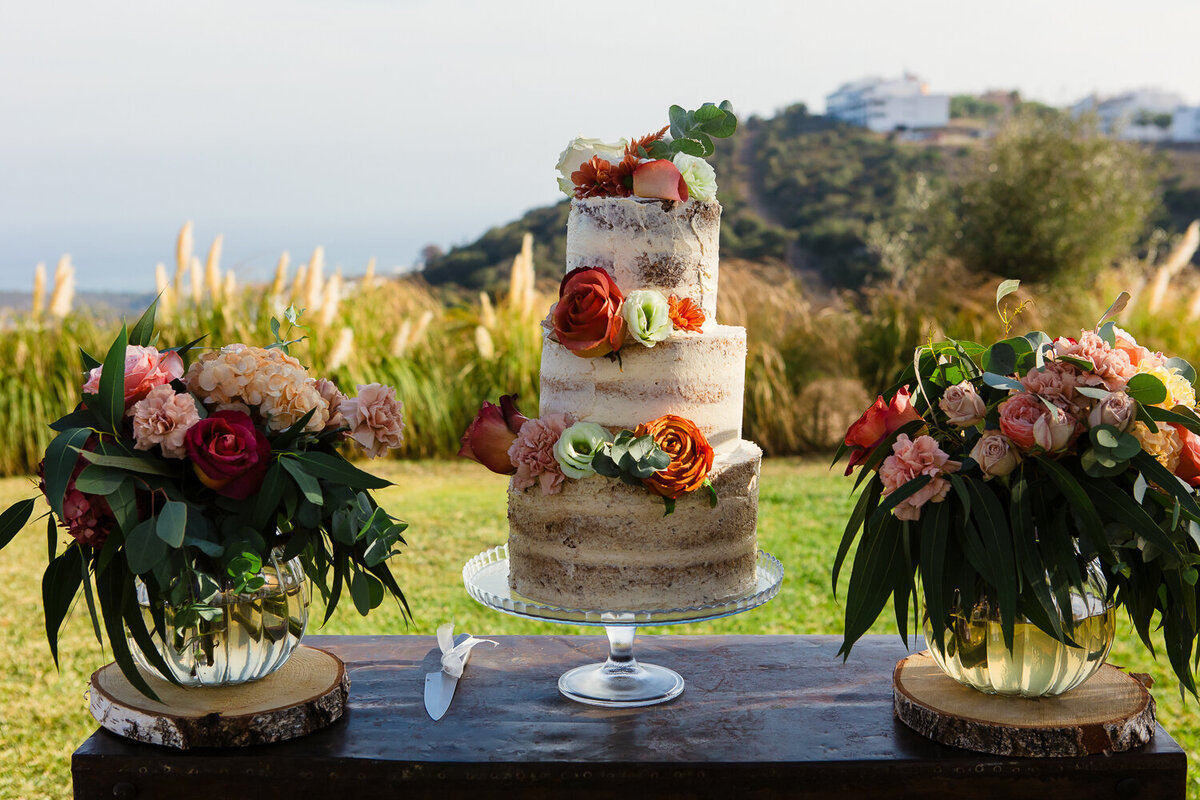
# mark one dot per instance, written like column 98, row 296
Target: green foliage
column 692, row 132
column 1052, row 199
column 967, row 105
column 483, row 264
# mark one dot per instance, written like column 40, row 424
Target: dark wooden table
column 761, row 717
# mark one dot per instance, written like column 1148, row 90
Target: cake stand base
column 621, row 682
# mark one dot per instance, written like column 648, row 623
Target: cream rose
column 698, row 174
column 1053, row 431
column 995, row 455
column 962, row 405
column 1117, row 410
column 581, row 149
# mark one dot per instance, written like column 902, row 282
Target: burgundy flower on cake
column 145, row 368
column 490, row 435
column 877, row 423
column 587, row 318
column 228, row 454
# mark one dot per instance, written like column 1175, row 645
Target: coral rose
column 228, row 454
column 1018, row 414
column 691, row 455
column 876, row 424
column 1188, row 468
column 587, row 317
column 145, row 368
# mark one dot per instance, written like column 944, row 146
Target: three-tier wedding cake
column 641, row 397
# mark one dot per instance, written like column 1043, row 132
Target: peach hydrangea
column 240, row 377
column 910, row 459
column 163, row 418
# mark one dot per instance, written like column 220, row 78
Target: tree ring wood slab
column 305, row 694
column 1110, row 712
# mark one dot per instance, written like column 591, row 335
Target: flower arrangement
column 593, row 318
column 669, row 456
column 666, row 165
column 183, row 479
column 1007, row 471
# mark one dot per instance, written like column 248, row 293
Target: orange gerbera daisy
column 685, row 314
column 598, row 178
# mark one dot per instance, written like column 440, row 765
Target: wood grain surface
column 761, row 717
column 1110, row 712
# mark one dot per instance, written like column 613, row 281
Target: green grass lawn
column 455, row 510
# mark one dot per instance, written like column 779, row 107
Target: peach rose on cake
column 691, row 455
column 587, row 317
column 145, row 368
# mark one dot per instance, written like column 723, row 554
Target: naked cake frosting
column 633, row 488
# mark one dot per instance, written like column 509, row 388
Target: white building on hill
column 1185, row 124
column 1143, row 115
column 889, row 105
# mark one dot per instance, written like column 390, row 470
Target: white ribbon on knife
column 439, row 686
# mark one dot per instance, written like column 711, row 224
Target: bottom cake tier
column 603, row 544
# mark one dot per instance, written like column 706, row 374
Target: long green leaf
column 308, row 484
column 85, row 578
column 335, row 468
column 110, row 593
column 867, row 501
column 110, row 400
column 1081, row 501
column 871, row 579
column 989, row 516
column 1160, row 475
column 935, row 536
column 62, row 455
column 1028, row 557
column 60, row 584
column 266, row 501
column 145, row 465
column 1174, row 417
column 142, row 332
column 135, row 623
column 14, row 518
column 1123, row 508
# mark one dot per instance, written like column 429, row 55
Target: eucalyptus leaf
column 172, row 523
column 1005, row 289
column 14, row 519
column 143, row 547
column 96, row 479
column 1146, row 389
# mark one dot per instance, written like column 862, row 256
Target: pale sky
column 375, row 127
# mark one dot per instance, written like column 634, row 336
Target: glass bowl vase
column 240, row 637
column 1038, row 664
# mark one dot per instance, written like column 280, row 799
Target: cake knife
column 440, row 685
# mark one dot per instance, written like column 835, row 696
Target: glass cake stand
column 620, row 682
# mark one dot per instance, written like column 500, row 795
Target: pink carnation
column 145, row 368
column 375, row 418
column 163, row 418
column 334, row 398
column 1057, row 381
column 533, row 453
column 1112, row 369
column 911, row 459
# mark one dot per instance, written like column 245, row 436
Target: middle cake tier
column 699, row 376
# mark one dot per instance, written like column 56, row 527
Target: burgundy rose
column 491, row 433
column 587, row 317
column 228, row 453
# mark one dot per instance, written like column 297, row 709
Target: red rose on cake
column 691, row 456
column 587, row 318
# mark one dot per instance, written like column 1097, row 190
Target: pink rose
column 1054, row 430
column 490, row 435
column 533, row 453
column 1117, row 410
column 876, row 424
column 910, row 459
column 962, row 405
column 1018, row 414
column 163, row 418
column 995, row 455
column 375, row 418
column 145, row 368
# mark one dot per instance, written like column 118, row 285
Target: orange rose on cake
column 691, row 456
column 587, row 317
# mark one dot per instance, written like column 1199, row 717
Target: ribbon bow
column 454, row 657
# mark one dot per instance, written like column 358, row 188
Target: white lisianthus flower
column 581, row 149
column 577, row 446
column 648, row 316
column 698, row 174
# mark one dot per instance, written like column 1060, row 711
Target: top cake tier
column 649, row 244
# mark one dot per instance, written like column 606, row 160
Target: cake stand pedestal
column 621, row 681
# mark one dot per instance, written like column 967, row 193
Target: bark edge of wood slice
column 1110, row 712
column 306, row 694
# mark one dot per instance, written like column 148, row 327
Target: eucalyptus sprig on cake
column 178, row 483
column 1004, row 475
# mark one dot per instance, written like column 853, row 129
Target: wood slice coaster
column 1110, row 712
column 305, row 694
